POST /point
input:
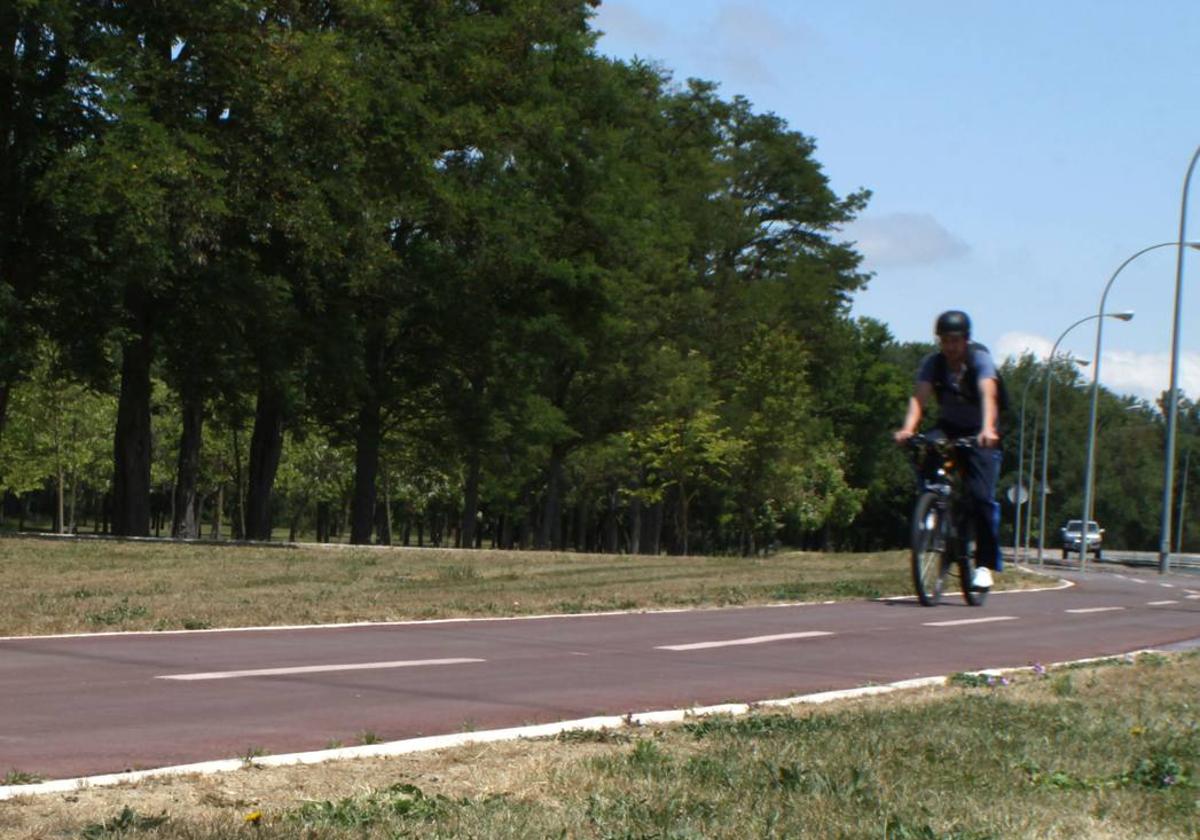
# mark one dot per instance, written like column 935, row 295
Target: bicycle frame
column 941, row 525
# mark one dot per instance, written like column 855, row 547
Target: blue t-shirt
column 961, row 402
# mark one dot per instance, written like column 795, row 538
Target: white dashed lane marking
column 316, row 669
column 1160, row 603
column 961, row 621
column 750, row 640
column 1095, row 610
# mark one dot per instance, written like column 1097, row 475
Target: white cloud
column 1147, row 375
column 1142, row 375
column 904, row 239
column 623, row 21
column 715, row 43
column 739, row 24
column 1016, row 344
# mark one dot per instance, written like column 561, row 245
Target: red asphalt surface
column 82, row 706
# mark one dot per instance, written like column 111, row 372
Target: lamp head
column 1127, row 315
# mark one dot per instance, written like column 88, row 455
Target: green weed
column 119, row 613
column 125, row 823
column 400, row 801
column 19, row 777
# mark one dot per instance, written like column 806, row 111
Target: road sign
column 1012, row 493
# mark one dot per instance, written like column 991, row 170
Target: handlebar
column 935, row 442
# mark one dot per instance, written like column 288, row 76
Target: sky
column 1017, row 152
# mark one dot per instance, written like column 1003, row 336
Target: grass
column 1118, row 757
column 68, row 586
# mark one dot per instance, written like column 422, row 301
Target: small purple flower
column 1039, row 669
column 1169, row 780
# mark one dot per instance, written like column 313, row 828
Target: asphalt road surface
column 73, row 706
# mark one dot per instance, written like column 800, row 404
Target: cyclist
column 963, row 378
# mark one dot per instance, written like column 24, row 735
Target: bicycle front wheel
column 929, row 561
column 966, row 565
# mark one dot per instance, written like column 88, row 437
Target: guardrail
column 1111, row 556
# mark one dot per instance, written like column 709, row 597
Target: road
column 72, row 706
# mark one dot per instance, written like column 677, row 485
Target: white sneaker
column 982, row 579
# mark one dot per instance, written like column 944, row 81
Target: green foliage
column 58, row 430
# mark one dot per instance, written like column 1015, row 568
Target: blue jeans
column 983, row 470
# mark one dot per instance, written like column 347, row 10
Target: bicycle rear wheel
column 929, row 561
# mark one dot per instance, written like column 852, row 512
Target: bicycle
column 943, row 529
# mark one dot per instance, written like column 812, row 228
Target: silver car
column 1073, row 539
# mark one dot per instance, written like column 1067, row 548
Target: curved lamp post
column 1124, row 316
column 1164, row 537
column 1090, row 460
column 1021, row 472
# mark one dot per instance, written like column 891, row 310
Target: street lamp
column 1090, row 461
column 1124, row 316
column 1021, row 471
column 1164, row 537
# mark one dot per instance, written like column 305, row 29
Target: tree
column 57, row 436
column 46, row 80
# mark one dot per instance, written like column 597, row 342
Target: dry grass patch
column 1107, row 751
column 71, row 586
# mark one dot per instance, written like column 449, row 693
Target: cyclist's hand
column 988, row 439
column 901, row 436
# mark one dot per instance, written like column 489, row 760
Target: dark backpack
column 970, row 379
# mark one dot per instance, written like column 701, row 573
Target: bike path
column 74, row 706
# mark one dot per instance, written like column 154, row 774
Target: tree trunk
column 383, row 523
column 266, row 444
column 323, row 517
column 131, row 443
column 218, row 507
column 611, row 524
column 72, row 528
column 550, row 534
column 184, row 524
column 5, row 390
column 635, row 525
column 583, row 521
column 59, row 502
column 470, row 500
column 366, row 470
column 654, row 527
column 297, row 513
column 504, row 537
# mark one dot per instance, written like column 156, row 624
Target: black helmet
column 953, row 321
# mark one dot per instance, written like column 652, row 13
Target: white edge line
column 315, row 669
column 545, row 730
column 963, row 621
column 413, row 621
column 749, row 640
